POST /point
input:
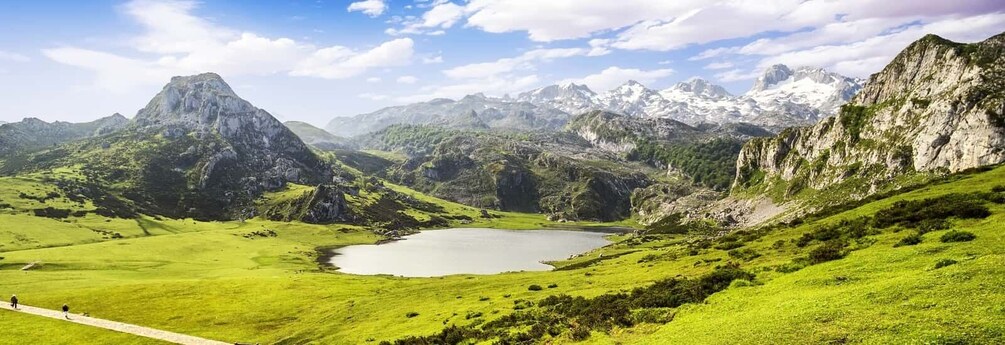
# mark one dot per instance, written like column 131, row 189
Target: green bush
column 929, row 225
column 944, row 262
column 535, row 287
column 957, row 236
column 910, row 213
column 910, row 240
column 411, row 314
column 829, row 251
column 728, row 245
column 745, row 254
column 552, row 286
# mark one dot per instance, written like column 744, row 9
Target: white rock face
column 939, row 106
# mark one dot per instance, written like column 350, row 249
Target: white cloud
column 863, row 57
column 614, row 76
column 499, row 77
column 443, row 15
column 373, row 80
column 736, row 75
column 523, row 62
column 176, row 42
column 714, row 52
column 719, row 65
column 372, row 96
column 565, row 19
column 13, row 57
column 494, row 86
column 406, row 79
column 340, row 62
column 372, row 8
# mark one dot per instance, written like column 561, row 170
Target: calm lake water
column 455, row 251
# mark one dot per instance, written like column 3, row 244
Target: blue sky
column 312, row 60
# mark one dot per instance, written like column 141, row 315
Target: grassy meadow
column 240, row 282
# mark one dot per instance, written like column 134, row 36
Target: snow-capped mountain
column 633, row 98
column 781, row 97
column 806, row 93
column 569, row 97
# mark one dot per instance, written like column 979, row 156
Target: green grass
column 19, row 328
column 210, row 280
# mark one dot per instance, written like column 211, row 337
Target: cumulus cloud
column 498, row 77
column 406, row 79
column 442, row 15
column 372, row 8
column 860, row 58
column 782, row 27
column 523, row 62
column 719, row 65
column 614, row 76
column 177, row 42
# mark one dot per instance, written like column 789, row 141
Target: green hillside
column 234, row 281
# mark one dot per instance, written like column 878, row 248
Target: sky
column 312, row 60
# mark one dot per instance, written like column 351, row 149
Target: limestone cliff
column 938, row 107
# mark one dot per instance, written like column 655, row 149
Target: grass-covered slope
column 849, row 277
column 553, row 173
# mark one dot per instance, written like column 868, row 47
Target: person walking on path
column 66, row 311
column 13, row 301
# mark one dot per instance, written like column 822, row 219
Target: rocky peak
column 772, row 76
column 702, row 88
column 937, row 107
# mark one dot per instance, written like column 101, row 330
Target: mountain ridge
column 782, row 97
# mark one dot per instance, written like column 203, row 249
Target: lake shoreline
column 434, row 253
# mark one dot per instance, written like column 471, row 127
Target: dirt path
column 115, row 326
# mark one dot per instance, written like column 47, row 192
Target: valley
column 814, row 209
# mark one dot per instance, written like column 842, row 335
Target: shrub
column 829, row 251
column 580, row 333
column 957, row 236
column 929, row 225
column 911, row 213
column 411, row 314
column 740, row 283
column 552, row 286
column 910, row 240
column 778, row 244
column 998, row 189
column 535, row 287
column 792, row 266
column 745, row 254
column 944, row 262
column 728, row 245
column 653, row 315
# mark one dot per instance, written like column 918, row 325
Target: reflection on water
column 456, row 251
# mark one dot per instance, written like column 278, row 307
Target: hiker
column 13, row 301
column 66, row 311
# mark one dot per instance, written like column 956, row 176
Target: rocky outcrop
column 936, row 108
column 252, row 151
column 326, row 205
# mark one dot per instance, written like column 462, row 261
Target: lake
column 435, row 253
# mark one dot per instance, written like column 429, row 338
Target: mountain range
column 781, row 97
